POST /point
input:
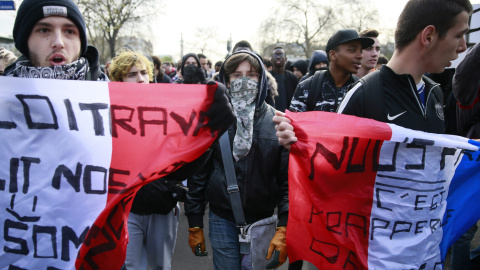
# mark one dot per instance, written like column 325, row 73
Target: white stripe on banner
column 43, row 132
column 411, row 184
column 405, row 135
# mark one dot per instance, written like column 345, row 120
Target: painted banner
column 370, row 195
column 72, row 156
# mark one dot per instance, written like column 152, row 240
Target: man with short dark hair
column 159, row 76
column 218, row 65
column 382, row 60
column 325, row 90
column 432, row 33
column 204, row 64
column 242, row 45
column 286, row 80
column 370, row 54
column 210, row 71
column 267, row 63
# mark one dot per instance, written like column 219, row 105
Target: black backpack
column 314, row 89
column 373, row 89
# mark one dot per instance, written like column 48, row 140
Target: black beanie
column 31, row 11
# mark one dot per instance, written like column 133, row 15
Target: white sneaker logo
column 391, row 118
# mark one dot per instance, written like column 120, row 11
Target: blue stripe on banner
column 474, row 143
column 463, row 200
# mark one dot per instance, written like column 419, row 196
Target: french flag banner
column 370, row 195
column 73, row 154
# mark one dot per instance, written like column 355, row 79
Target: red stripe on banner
column 331, row 181
column 334, row 124
column 155, row 129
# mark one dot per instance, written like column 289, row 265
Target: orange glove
column 279, row 245
column 196, row 240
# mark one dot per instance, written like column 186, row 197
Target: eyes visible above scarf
column 243, row 93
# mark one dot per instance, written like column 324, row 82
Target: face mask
column 76, row 70
column 193, row 74
column 243, row 93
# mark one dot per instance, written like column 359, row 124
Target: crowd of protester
column 259, row 88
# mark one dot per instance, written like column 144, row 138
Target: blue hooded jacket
column 318, row 56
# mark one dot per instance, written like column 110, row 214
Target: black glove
column 178, row 191
column 220, row 114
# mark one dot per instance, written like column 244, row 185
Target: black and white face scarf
column 242, row 93
column 76, row 70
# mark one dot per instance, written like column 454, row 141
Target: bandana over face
column 73, row 71
column 243, row 93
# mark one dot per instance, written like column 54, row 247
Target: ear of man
column 333, row 55
column 428, row 36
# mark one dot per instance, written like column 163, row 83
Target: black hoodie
column 194, row 75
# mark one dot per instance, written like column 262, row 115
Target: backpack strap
column 232, row 185
column 373, row 96
column 315, row 89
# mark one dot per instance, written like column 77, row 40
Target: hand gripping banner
column 72, row 156
column 370, row 195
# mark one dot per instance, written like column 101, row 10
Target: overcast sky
column 239, row 21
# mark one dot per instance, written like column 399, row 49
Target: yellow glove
column 278, row 247
column 196, row 240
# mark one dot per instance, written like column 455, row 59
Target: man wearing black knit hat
column 51, row 36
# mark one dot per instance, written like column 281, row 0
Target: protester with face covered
column 261, row 172
column 191, row 70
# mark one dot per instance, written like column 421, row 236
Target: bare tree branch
column 107, row 18
column 309, row 23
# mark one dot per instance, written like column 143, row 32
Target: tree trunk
column 112, row 42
